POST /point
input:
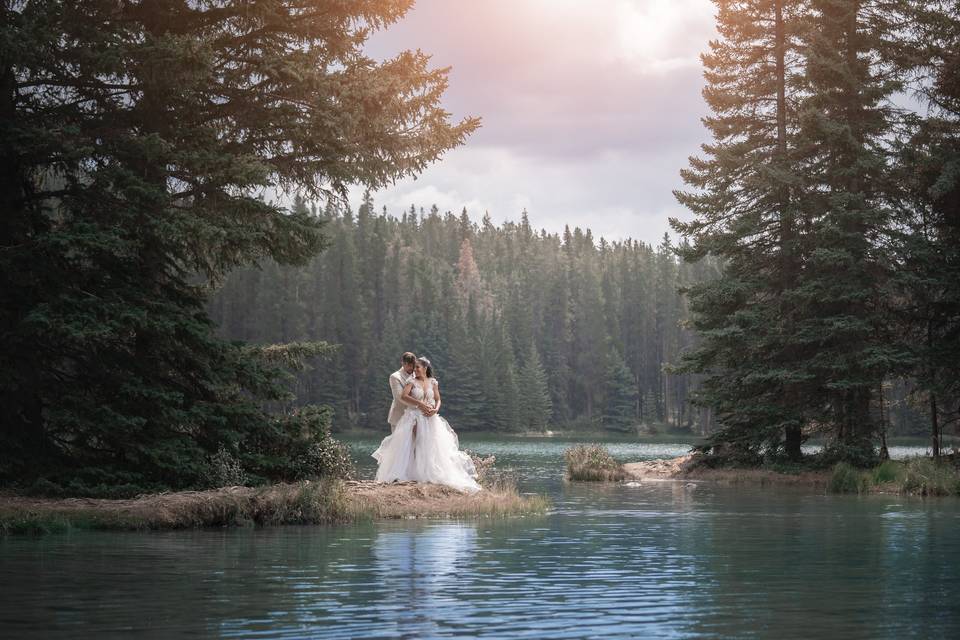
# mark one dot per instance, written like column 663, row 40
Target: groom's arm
column 396, row 388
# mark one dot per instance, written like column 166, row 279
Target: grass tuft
column 887, row 472
column 925, row 477
column 593, row 462
column 847, row 479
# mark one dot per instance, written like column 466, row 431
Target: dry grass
column 592, row 462
column 305, row 502
column 687, row 468
column 301, row 503
column 411, row 499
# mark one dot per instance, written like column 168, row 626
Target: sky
column 590, row 108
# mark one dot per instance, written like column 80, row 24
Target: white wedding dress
column 432, row 455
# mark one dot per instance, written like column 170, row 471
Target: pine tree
column 590, row 341
column 464, row 397
column 620, row 401
column 846, row 119
column 927, row 238
column 384, row 360
column 747, row 213
column 498, row 376
column 535, row 408
column 134, row 139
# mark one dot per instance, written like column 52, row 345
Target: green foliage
column 534, row 392
column 224, row 470
column 886, row 472
column 861, row 455
column 136, row 140
column 926, row 240
column 927, row 477
column 296, row 446
column 327, row 458
column 847, row 479
column 619, row 411
column 592, row 462
column 834, row 279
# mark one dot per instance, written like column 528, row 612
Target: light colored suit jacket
column 398, row 380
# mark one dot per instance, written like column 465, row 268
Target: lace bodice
column 417, row 391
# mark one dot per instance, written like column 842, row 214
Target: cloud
column 589, row 108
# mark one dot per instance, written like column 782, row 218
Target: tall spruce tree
column 744, row 199
column 134, row 140
column 620, row 395
column 927, row 238
column 534, row 406
column 846, row 122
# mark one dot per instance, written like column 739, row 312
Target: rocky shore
column 687, row 468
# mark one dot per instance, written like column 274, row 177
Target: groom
column 398, row 380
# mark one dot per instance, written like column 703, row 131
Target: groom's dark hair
column 408, row 358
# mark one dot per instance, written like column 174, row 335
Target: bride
column 423, row 447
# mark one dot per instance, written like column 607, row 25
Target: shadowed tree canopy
column 141, row 147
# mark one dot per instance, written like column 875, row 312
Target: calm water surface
column 659, row 560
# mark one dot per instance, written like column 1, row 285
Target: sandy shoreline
column 685, row 468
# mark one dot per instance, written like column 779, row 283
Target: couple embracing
column 421, row 446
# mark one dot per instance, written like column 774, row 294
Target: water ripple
column 656, row 561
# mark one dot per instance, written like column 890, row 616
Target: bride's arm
column 408, row 397
column 436, row 395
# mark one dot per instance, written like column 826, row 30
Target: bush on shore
column 291, row 447
column 592, row 462
column 916, row 476
column 847, row 479
column 925, row 477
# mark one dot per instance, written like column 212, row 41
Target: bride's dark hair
column 426, row 365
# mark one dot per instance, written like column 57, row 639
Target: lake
column 661, row 560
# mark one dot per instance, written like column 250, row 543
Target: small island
column 326, row 501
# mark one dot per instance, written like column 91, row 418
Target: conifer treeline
column 525, row 329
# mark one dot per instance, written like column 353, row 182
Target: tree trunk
column 934, row 426
column 792, row 435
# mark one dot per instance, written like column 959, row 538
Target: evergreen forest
column 526, row 330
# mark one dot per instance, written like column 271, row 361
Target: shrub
column 925, row 477
column 327, row 458
column 846, row 479
column 491, row 478
column 862, row 455
column 886, row 472
column 224, row 470
column 592, row 462
column 297, row 446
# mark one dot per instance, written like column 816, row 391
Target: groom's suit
column 398, row 380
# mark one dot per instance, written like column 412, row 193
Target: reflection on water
column 419, row 568
column 655, row 560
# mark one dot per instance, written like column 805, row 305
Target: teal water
column 660, row 560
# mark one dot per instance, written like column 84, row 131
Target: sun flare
column 654, row 32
